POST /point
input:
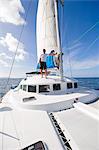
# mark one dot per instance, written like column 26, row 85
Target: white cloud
column 4, row 58
column 80, row 64
column 73, row 57
column 74, row 49
column 4, row 55
column 11, row 43
column 2, row 62
column 85, row 64
column 10, row 12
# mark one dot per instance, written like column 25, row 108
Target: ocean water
column 86, row 82
column 92, row 83
column 4, row 87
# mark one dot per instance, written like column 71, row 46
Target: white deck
column 21, row 128
column 54, row 100
column 95, row 105
column 36, row 79
column 81, row 128
column 48, row 102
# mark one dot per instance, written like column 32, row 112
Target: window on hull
column 69, row 85
column 56, row 87
column 24, row 87
column 20, row 86
column 44, row 88
column 32, row 88
column 36, row 146
column 75, row 85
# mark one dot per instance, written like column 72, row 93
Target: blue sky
column 80, row 38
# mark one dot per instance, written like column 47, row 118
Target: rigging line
column 29, row 6
column 61, row 30
column 3, row 120
column 91, row 45
column 62, row 24
column 82, row 35
column 70, row 64
column 18, row 137
column 92, row 27
column 69, row 59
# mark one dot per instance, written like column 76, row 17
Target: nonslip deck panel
column 81, row 129
column 19, row 129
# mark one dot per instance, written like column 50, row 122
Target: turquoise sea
column 86, row 82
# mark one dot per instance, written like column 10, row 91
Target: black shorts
column 43, row 65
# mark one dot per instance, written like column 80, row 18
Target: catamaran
column 49, row 113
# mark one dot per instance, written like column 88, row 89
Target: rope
column 18, row 45
column 70, row 65
column 62, row 23
column 90, row 46
column 3, row 123
column 62, row 31
column 91, row 28
column 82, row 35
column 16, row 130
column 93, row 43
column 60, row 18
column 3, row 120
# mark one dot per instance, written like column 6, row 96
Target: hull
column 54, row 118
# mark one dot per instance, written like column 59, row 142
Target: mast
column 48, row 31
column 59, row 37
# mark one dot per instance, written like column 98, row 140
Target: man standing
column 42, row 61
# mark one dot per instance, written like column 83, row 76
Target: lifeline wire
column 18, row 44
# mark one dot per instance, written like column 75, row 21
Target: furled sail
column 47, row 28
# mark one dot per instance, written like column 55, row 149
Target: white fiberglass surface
column 46, row 99
column 95, row 105
column 81, row 129
column 19, row 129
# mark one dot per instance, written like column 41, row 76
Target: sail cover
column 47, row 28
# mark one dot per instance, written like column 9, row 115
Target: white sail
column 47, row 27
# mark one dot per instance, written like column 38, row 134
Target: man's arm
column 40, row 60
column 52, row 54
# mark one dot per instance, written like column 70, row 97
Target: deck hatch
column 29, row 99
column 36, row 146
column 60, row 133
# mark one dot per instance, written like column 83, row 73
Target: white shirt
column 43, row 57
